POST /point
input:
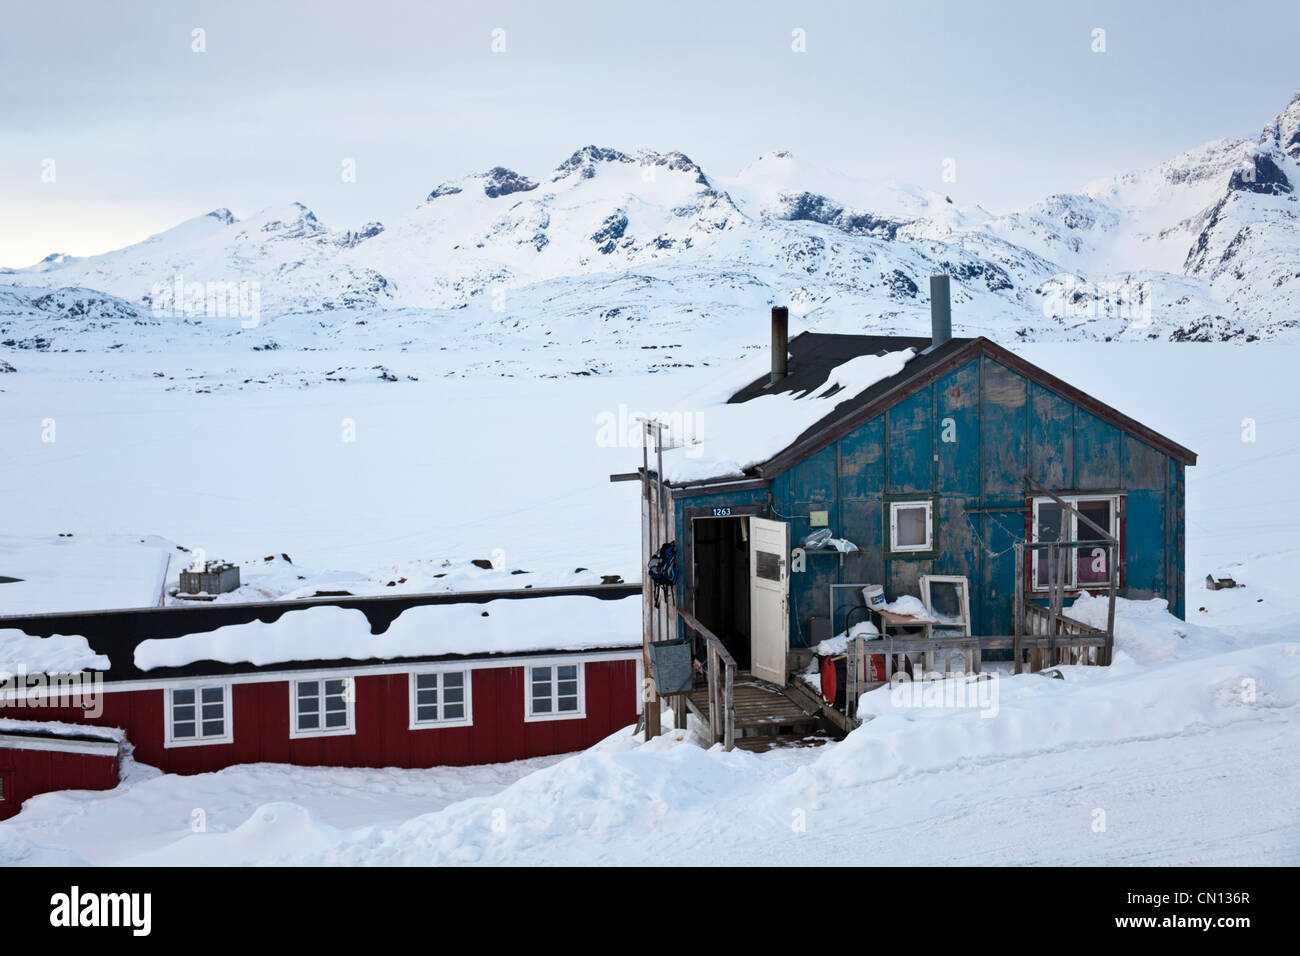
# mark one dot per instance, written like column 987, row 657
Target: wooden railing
column 721, row 669
column 1069, row 641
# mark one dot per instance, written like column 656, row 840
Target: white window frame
column 579, row 714
column 349, row 697
column 928, row 545
column 227, row 718
column 441, row 673
column 1072, row 578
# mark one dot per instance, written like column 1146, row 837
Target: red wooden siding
column 25, row 773
column 383, row 737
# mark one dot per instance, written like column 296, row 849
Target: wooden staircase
column 766, row 716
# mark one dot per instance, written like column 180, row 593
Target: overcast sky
column 144, row 132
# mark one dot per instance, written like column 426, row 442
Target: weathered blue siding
column 969, row 438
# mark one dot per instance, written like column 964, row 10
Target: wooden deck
column 766, row 716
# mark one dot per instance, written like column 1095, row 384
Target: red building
column 40, row 757
column 447, row 680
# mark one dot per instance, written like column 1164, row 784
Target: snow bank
column 1032, row 714
column 504, row 626
column 1147, row 632
column 723, row 440
column 21, row 653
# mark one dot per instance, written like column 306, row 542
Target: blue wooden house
column 937, row 469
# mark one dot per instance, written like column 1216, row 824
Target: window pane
column 453, row 712
column 541, row 674
column 213, row 728
column 213, row 711
column 308, row 688
column 454, row 695
column 336, row 720
column 1048, row 527
column 213, row 695
column 308, row 705
column 768, row 565
column 912, row 526
column 183, row 729
column 568, row 704
column 1044, row 578
column 453, row 680
column 182, row 696
column 1098, row 511
column 426, row 713
column 568, row 672
column 183, row 713
column 542, row 705
column 568, row 688
column 334, row 686
column 308, row 721
column 1092, row 562
column 426, row 681
column 423, row 697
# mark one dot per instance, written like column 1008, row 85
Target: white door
column 769, row 587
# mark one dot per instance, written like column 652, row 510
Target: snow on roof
column 20, row 653
column 56, row 728
column 722, row 440
column 504, row 626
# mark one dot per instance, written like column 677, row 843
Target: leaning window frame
column 467, row 721
column 227, row 715
column 349, row 697
column 580, row 713
column 1116, row 528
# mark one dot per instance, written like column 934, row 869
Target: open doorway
column 721, row 578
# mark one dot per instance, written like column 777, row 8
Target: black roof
column 815, row 355
column 115, row 633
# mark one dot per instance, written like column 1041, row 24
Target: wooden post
column 651, row 704
column 1018, row 612
column 1113, row 557
column 729, row 733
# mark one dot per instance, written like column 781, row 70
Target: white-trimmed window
column 911, row 526
column 440, row 699
column 199, row 714
column 553, row 690
column 321, row 707
column 1088, row 568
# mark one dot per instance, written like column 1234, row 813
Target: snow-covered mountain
column 643, row 249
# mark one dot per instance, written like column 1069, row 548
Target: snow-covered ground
column 1185, row 751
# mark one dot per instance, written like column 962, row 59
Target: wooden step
column 760, row 745
column 763, row 709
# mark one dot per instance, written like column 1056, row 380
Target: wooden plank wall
column 970, row 438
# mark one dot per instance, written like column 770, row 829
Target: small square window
column 554, row 691
column 440, row 698
column 321, row 707
column 911, row 526
column 198, row 715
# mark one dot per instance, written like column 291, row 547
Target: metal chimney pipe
column 940, row 311
column 780, row 342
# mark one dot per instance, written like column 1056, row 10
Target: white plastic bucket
column 874, row 595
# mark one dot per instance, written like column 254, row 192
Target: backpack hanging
column 662, row 569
